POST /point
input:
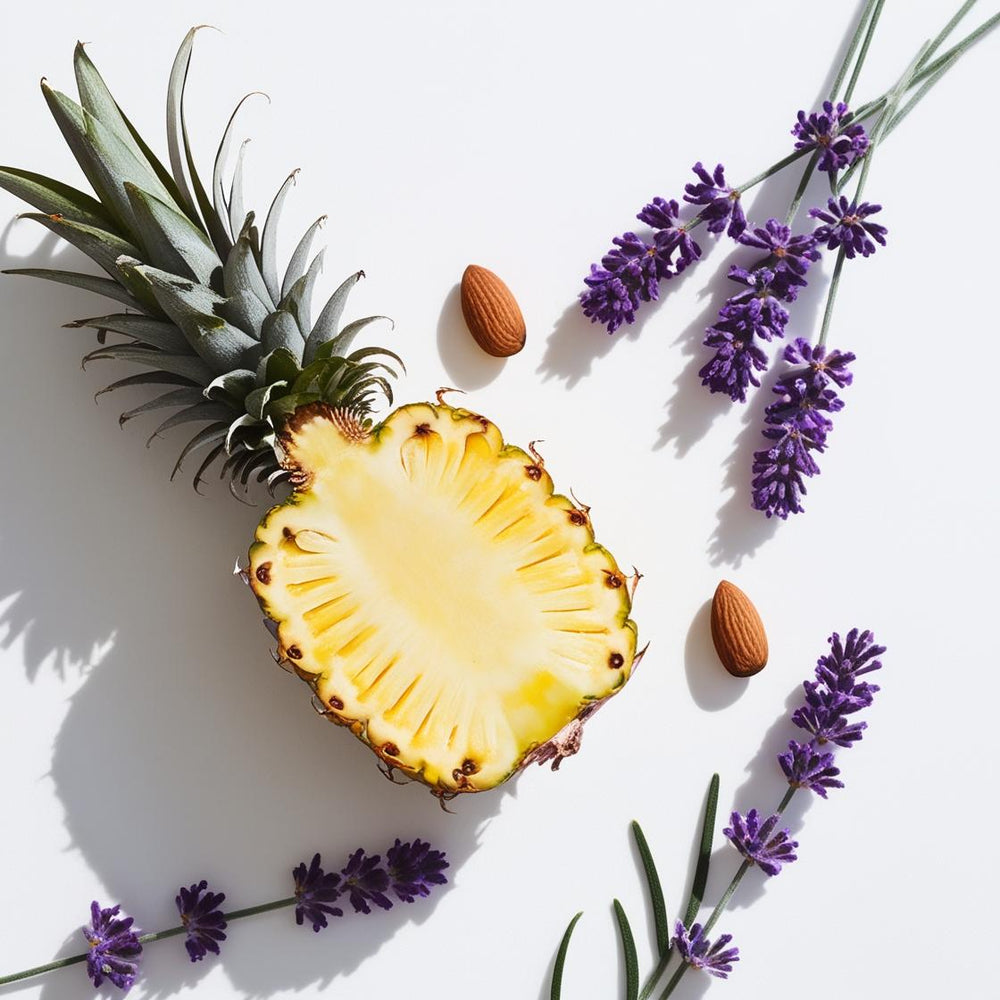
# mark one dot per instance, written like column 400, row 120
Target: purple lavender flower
column 608, row 300
column 314, row 891
column 851, row 658
column 754, row 841
column 824, row 716
column 721, row 202
column 629, row 274
column 845, row 225
column 660, row 213
column 696, row 949
column 792, row 255
column 631, row 271
column 114, row 947
column 679, row 241
column 837, row 693
column 365, row 880
column 736, row 358
column 414, row 868
column 204, row 921
column 807, row 767
column 831, row 131
column 756, row 313
column 797, row 423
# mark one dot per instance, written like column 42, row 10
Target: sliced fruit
column 436, row 594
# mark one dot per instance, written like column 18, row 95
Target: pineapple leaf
column 232, row 386
column 96, row 98
column 194, row 309
column 175, row 99
column 280, row 330
column 257, row 400
column 151, row 332
column 101, row 246
column 69, row 116
column 345, row 338
column 279, row 365
column 215, row 453
column 656, row 901
column 145, row 378
column 222, row 207
column 262, row 462
column 237, row 212
column 628, row 952
column 89, row 282
column 235, row 434
column 297, row 264
column 186, row 365
column 185, row 396
column 216, row 228
column 269, row 239
column 104, row 158
column 245, row 310
column 241, row 273
column 104, row 249
column 329, row 319
column 199, row 413
column 174, row 243
column 299, row 297
column 555, row 993
column 54, row 198
column 212, row 435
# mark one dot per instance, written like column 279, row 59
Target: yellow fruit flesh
column 441, row 600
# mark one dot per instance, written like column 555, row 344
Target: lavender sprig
column 839, row 686
column 115, row 947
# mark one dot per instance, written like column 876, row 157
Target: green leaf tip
column 628, row 953
column 655, row 888
column 704, row 853
column 557, row 970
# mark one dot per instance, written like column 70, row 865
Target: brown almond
column 738, row 632
column 491, row 312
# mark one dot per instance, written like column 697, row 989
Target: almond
column 491, row 312
column 738, row 632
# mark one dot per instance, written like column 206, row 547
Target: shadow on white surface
column 187, row 753
column 467, row 364
column 711, row 686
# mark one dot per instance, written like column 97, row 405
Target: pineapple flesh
column 435, row 593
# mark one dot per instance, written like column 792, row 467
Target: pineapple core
column 440, row 600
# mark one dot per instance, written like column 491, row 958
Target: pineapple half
column 422, row 576
column 435, row 593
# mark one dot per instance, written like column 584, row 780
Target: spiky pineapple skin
column 546, row 703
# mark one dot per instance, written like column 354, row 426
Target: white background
column 148, row 739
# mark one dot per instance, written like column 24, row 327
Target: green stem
column 654, row 976
column 869, row 34
column 959, row 48
column 726, row 896
column 801, row 189
column 852, row 46
column 39, row 969
column 674, row 980
column 948, row 29
column 61, row 963
column 831, row 297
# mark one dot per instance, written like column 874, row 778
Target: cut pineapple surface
column 436, row 594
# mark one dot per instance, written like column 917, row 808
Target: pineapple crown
column 205, row 310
